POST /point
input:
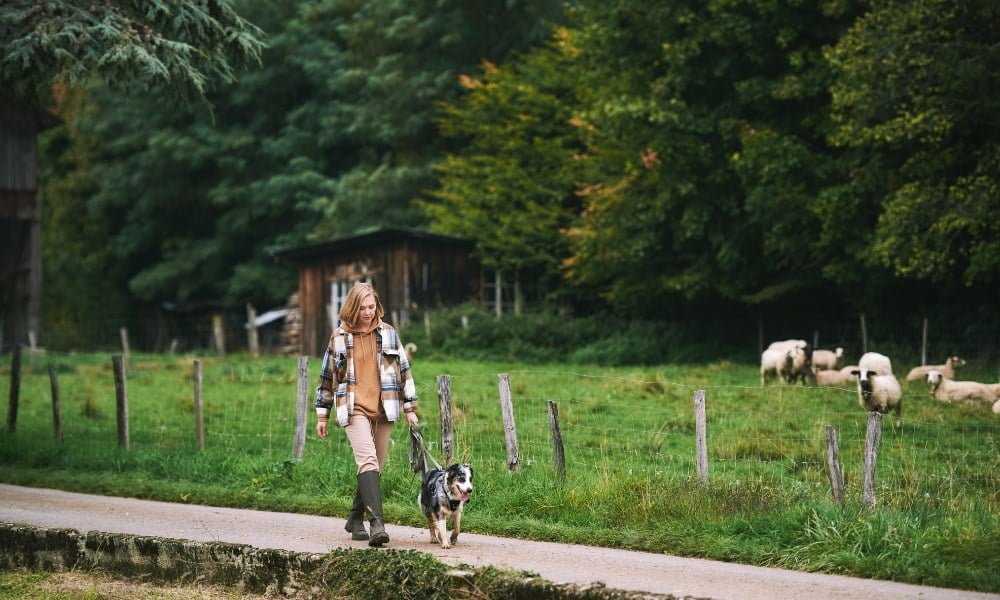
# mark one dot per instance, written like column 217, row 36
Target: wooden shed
column 20, row 220
column 412, row 271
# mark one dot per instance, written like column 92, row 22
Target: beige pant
column 369, row 439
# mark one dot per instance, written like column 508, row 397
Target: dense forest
column 695, row 160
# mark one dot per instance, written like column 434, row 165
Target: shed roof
column 371, row 238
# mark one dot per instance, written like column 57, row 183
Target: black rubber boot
column 356, row 518
column 370, row 484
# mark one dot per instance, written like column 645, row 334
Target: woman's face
column 367, row 312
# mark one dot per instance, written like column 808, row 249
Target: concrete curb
column 245, row 568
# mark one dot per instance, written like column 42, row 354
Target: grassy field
column 629, row 443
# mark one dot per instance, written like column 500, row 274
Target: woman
column 366, row 381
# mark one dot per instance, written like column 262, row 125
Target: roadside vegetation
column 629, row 437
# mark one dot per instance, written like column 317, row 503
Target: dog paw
column 445, row 545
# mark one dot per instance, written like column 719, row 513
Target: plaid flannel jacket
column 337, row 381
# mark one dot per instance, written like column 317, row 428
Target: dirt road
column 561, row 563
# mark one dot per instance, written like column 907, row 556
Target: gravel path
column 560, row 563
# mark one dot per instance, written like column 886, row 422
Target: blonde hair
column 352, row 303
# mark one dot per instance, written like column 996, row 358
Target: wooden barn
column 20, row 220
column 412, row 271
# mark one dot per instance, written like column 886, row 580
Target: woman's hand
column 411, row 418
column 321, row 429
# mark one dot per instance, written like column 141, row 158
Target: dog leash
column 419, row 453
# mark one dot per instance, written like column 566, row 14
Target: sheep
column 949, row 390
column 877, row 392
column 827, row 359
column 834, row 377
column 801, row 360
column 801, row 368
column 875, row 362
column 996, row 407
column 947, row 369
column 773, row 362
column 787, row 344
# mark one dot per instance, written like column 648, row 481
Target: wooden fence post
column 253, row 339
column 447, row 435
column 864, row 335
column 126, row 352
column 121, row 401
column 56, row 410
column 558, row 452
column 923, row 345
column 509, row 430
column 15, row 387
column 299, row 442
column 760, row 336
column 199, row 428
column 498, row 298
column 834, row 467
column 219, row 335
column 872, row 437
column 701, row 437
column 427, row 327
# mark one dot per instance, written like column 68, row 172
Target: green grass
column 629, row 443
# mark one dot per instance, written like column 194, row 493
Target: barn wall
column 397, row 268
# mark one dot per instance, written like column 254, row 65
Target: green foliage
column 332, row 135
column 708, row 147
column 511, row 187
column 177, row 45
column 912, row 95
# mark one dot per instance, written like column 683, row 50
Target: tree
column 512, row 187
column 177, row 45
column 333, row 134
column 708, row 148
column 916, row 100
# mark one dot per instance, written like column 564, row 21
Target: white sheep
column 996, row 407
column 949, row 390
column 828, row 359
column 875, row 362
column 878, row 393
column 779, row 345
column 835, row 377
column 947, row 369
column 801, row 368
column 773, row 362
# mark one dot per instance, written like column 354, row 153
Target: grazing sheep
column 949, row 390
column 828, row 359
column 801, row 368
column 875, row 362
column 774, row 362
column 780, row 345
column 878, row 393
column 834, row 377
column 996, row 407
column 947, row 369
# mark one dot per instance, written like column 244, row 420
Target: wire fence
column 633, row 424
